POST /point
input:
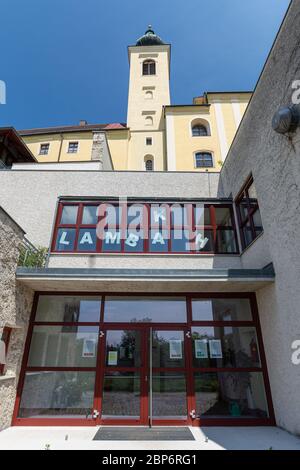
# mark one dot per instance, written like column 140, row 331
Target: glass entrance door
column 144, row 377
column 123, row 381
column 168, row 376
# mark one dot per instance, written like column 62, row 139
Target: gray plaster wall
column 31, row 196
column 274, row 161
column 15, row 307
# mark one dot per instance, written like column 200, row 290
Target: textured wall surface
column 274, row 161
column 15, row 307
column 30, row 196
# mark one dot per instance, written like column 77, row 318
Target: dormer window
column 149, row 67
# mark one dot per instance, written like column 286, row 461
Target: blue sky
column 66, row 60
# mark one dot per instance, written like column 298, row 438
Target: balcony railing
column 31, row 256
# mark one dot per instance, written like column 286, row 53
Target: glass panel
column 247, row 231
column 87, row 239
column 202, row 215
column 57, row 308
column 57, row 395
column 69, row 215
column 257, row 218
column 179, row 243
column 145, row 309
column 223, row 216
column 243, row 206
column 159, row 241
column 180, row 215
column 63, row 346
column 65, row 239
column 226, row 242
column 121, row 395
column 225, row 346
column 203, row 241
column 112, row 240
column 159, row 215
column 89, row 216
column 123, row 348
column 135, row 216
column 169, row 396
column 134, row 241
column 168, row 349
column 221, row 310
column 230, row 395
column 113, row 215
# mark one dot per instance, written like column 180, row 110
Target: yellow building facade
column 158, row 136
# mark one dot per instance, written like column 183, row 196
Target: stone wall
column 274, row 161
column 15, row 307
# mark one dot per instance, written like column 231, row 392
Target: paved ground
column 206, row 439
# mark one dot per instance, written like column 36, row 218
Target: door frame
column 144, row 370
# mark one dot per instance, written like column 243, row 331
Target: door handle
column 95, row 414
column 188, row 334
column 146, row 378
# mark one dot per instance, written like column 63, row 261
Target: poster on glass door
column 215, row 349
column 175, row 348
column 201, row 351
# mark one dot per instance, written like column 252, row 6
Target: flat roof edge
column 98, row 273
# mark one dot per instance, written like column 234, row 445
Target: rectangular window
column 61, row 394
column 44, row 149
column 221, row 310
column 148, row 140
column 70, row 309
column 4, row 343
column 250, row 223
column 145, row 228
column 63, row 346
column 73, row 147
column 204, row 160
column 145, row 309
column 230, row 395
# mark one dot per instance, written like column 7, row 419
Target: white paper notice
column 175, row 348
column 112, row 358
column 89, row 348
column 201, row 351
column 215, row 349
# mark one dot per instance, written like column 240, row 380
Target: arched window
column 204, row 160
column 149, row 165
column 199, row 130
column 149, row 95
column 149, row 121
column 149, row 67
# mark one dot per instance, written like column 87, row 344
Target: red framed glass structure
column 177, row 231
column 139, row 359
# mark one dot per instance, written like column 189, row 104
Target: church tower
column 149, row 91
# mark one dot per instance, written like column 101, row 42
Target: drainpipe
column 60, row 147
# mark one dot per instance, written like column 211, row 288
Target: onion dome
column 149, row 39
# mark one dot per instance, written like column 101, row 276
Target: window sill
column 5, row 377
column 163, row 255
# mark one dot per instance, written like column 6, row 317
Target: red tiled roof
column 78, row 128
